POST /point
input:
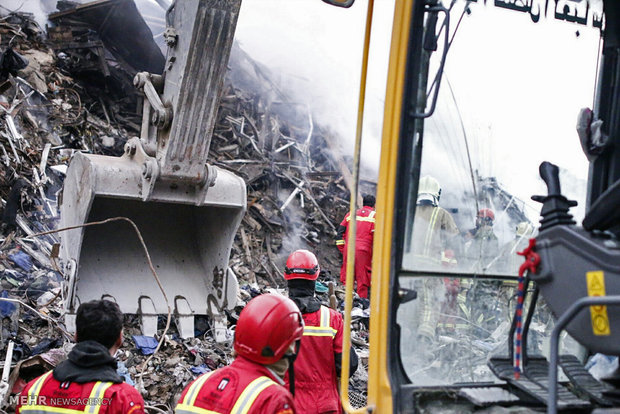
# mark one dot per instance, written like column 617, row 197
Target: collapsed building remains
column 69, row 88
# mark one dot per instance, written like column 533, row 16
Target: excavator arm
column 186, row 210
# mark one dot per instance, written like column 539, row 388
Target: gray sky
column 317, row 49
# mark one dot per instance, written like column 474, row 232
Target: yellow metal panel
column 348, row 296
column 596, row 287
column 379, row 390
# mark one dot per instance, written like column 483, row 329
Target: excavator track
column 584, row 382
column 534, row 383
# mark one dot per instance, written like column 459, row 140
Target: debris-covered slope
column 51, row 106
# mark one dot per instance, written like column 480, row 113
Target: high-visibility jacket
column 433, row 229
column 482, row 250
column 365, row 217
column 45, row 394
column 316, row 384
column 243, row 387
column 365, row 222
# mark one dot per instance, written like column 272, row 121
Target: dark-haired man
column 365, row 219
column 87, row 381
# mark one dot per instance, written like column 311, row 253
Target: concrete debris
column 70, row 90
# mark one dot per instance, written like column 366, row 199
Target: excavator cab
column 482, row 101
column 187, row 211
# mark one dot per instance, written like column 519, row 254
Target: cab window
column 512, row 87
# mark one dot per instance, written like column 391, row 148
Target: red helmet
column 267, row 326
column 486, row 213
column 301, row 264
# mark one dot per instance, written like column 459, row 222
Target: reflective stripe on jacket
column 365, row 230
column 316, row 386
column 83, row 401
column 242, row 405
column 243, row 387
column 432, row 230
column 324, row 329
column 365, row 221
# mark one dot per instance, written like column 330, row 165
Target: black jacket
column 88, row 361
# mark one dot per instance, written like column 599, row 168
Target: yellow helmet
column 429, row 189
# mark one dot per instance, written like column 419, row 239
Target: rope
column 532, row 259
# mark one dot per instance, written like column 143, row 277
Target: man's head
column 368, row 200
column 100, row 321
column 267, row 327
column 302, row 264
column 301, row 271
column 485, row 217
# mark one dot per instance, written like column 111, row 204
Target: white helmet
column 429, row 190
column 524, row 229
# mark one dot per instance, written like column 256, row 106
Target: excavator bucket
column 187, row 211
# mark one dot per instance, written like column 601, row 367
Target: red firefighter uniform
column 45, row 394
column 363, row 248
column 316, row 384
column 242, row 387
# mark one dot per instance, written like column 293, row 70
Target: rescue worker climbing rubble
column 482, row 245
column 365, row 219
column 87, row 381
column 266, row 342
column 317, row 367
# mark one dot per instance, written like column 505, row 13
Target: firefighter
column 435, row 235
column 318, row 364
column 266, row 341
column 434, row 227
column 482, row 245
column 365, row 218
column 87, row 381
column 482, row 254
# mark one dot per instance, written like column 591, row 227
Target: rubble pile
column 66, row 91
column 296, row 195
